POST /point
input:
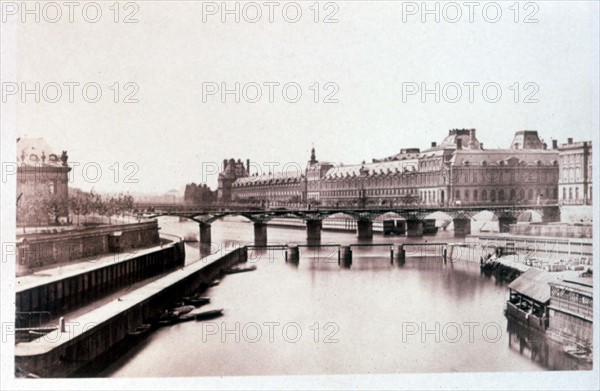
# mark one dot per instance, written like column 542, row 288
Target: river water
column 316, row 317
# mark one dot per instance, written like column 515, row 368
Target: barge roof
column 535, row 283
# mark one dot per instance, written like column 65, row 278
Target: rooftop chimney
column 570, row 140
column 481, row 145
column 248, row 166
column 458, row 143
column 472, row 138
column 545, row 146
column 554, row 144
column 433, row 144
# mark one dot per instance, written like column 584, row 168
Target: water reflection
column 538, row 348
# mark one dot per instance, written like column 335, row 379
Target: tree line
column 41, row 207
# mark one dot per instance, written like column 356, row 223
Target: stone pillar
column 260, row 234
column 205, row 237
column 293, row 254
column 505, row 222
column 364, row 229
column 345, row 256
column 401, row 227
column 401, row 254
column 551, row 214
column 313, row 230
column 414, row 228
column 462, row 227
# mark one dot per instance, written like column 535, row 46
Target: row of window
column 572, row 194
column 501, row 195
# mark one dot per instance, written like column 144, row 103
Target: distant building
column 232, row 171
column 198, row 195
column 458, row 171
column 575, row 182
column 41, row 173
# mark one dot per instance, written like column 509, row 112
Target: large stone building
column 575, row 182
column 41, row 175
column 458, row 171
column 232, row 171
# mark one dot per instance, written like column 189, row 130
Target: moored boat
column 240, row 269
column 208, row 314
column 578, row 352
column 196, row 301
column 140, row 330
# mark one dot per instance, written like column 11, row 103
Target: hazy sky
column 370, row 54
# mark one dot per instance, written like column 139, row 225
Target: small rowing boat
column 208, row 314
column 196, row 300
column 241, row 269
column 140, row 330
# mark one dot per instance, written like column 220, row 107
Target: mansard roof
column 270, row 179
column 505, row 157
column 372, row 169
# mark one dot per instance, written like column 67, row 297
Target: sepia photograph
column 299, row 194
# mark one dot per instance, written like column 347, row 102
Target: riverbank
column 90, row 336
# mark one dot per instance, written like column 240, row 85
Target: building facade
column 42, row 183
column 575, row 182
column 458, row 171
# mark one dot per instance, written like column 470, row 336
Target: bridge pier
column 401, row 227
column 205, row 237
column 345, row 256
column 414, row 228
column 504, row 223
column 292, row 254
column 313, row 230
column 401, row 254
column 364, row 229
column 551, row 214
column 462, row 227
column 260, row 234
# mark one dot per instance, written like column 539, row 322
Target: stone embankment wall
column 38, row 250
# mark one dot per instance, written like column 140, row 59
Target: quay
column 67, row 350
column 62, row 289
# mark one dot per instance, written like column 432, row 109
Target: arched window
column 522, row 194
column 493, row 195
column 513, row 194
column 466, row 194
column 458, row 194
column 501, row 195
column 564, row 197
column 474, row 195
column 570, row 194
column 483, row 195
column 576, row 193
column 577, row 174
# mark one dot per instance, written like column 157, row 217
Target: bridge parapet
column 413, row 213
